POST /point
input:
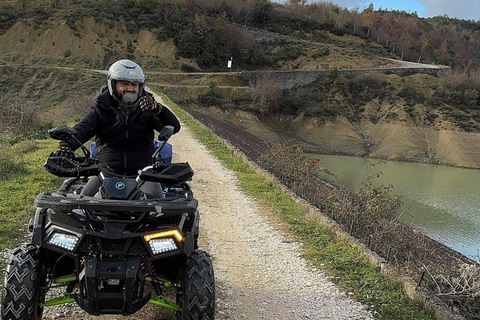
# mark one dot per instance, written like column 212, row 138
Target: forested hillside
column 440, row 39
column 202, row 29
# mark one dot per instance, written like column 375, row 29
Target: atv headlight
column 163, row 241
column 162, row 245
column 63, row 240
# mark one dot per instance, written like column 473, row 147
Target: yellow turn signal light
column 175, row 233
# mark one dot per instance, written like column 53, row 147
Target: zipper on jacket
column 125, row 161
column 126, row 122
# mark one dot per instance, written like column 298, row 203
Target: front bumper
column 111, row 286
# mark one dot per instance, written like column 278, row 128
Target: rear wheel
column 197, row 293
column 21, row 293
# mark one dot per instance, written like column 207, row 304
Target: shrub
column 76, row 107
column 188, row 68
column 461, row 79
column 9, row 162
column 366, row 87
column 288, row 52
column 264, row 95
column 240, row 96
column 189, row 44
column 411, row 95
column 211, row 97
column 20, row 115
column 262, row 11
column 471, row 97
column 321, row 52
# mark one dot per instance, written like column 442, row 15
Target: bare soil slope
column 87, row 44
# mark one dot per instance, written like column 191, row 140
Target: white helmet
column 125, row 70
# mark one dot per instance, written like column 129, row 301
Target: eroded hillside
column 414, row 118
column 408, row 118
column 86, row 44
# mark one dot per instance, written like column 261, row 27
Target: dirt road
column 259, row 270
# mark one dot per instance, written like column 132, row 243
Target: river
column 442, row 202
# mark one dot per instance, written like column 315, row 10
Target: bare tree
column 264, row 95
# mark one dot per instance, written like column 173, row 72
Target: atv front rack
column 69, row 202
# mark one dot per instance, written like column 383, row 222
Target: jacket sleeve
column 166, row 118
column 86, row 129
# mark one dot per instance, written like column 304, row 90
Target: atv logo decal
column 120, row 185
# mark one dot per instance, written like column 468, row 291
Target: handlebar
column 77, row 167
column 86, row 166
column 167, row 175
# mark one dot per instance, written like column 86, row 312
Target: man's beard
column 129, row 97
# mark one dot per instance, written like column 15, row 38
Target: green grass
column 18, row 190
column 340, row 257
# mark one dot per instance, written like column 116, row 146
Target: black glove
column 65, row 151
column 148, row 104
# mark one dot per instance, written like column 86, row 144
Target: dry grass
column 74, row 108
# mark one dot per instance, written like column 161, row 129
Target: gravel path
column 260, row 272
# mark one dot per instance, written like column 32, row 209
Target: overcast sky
column 462, row 9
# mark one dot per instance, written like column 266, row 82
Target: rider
column 122, row 120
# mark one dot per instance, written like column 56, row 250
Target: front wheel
column 197, row 294
column 21, row 293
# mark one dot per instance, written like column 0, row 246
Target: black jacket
column 124, row 139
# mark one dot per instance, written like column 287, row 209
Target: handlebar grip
column 64, row 167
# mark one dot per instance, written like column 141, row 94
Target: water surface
column 443, row 202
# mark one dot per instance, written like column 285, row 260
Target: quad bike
column 115, row 252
